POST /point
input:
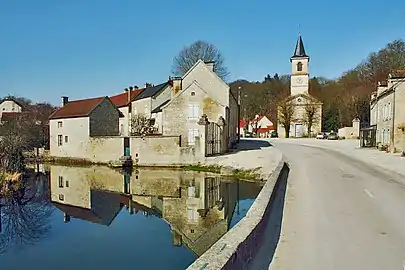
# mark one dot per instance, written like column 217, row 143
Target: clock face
column 299, row 80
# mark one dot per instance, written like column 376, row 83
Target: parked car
column 274, row 134
column 248, row 135
column 321, row 136
column 333, row 136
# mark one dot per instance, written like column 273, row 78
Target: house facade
column 300, row 107
column 72, row 126
column 200, row 92
column 10, row 105
column 149, row 103
column 387, row 112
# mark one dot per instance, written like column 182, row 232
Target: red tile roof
column 77, row 108
column 121, row 100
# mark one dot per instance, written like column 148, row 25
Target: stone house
column 72, row 125
column 387, row 113
column 300, row 101
column 200, row 92
column 123, row 103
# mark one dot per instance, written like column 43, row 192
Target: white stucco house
column 76, row 122
column 10, row 105
column 261, row 125
column 150, row 101
column 200, row 91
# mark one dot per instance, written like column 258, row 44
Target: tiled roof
column 151, row 91
column 400, row 73
column 121, row 100
column 77, row 108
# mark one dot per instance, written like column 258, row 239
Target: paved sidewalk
column 387, row 161
column 250, row 154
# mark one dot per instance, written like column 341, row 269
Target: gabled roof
column 184, row 90
column 398, row 74
column 151, row 91
column 199, row 62
column 299, row 49
column 12, row 99
column 121, row 100
column 78, row 108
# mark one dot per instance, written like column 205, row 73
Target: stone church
column 300, row 107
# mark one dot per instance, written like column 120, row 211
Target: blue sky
column 87, row 48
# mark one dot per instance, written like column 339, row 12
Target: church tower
column 299, row 74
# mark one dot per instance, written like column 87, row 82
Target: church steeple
column 299, row 49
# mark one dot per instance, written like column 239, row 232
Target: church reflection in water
column 197, row 206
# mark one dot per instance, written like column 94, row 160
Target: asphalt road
column 338, row 213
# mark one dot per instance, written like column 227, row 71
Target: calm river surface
column 99, row 218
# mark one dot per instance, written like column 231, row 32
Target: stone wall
column 236, row 249
column 104, row 120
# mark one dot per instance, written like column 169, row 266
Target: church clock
column 299, row 80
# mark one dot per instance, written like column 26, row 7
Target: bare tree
column 189, row 55
column 311, row 115
column 141, row 125
column 286, row 110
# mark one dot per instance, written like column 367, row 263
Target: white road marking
column 370, row 195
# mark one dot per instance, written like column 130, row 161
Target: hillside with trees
column 344, row 98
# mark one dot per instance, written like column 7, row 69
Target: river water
column 100, row 218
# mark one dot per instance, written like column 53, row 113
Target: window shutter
column 190, row 110
column 196, row 113
column 191, row 137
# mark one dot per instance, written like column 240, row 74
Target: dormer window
column 299, row 66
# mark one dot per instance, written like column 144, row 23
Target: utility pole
column 239, row 103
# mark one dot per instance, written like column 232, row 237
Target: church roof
column 299, row 49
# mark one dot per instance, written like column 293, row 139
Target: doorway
column 127, row 148
column 298, row 130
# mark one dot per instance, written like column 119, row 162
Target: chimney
column 129, row 90
column 176, row 85
column 65, row 100
column 382, row 86
column 210, row 65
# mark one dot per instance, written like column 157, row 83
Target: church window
column 299, row 66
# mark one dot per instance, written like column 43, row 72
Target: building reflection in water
column 197, row 206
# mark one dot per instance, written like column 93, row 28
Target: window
column 61, row 197
column 193, row 111
column 61, row 181
column 60, row 124
column 146, row 109
column 192, row 214
column 67, row 183
column 299, row 66
column 192, row 133
column 60, row 140
column 66, row 139
column 193, row 93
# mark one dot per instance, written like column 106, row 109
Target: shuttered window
column 193, row 111
column 192, row 133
